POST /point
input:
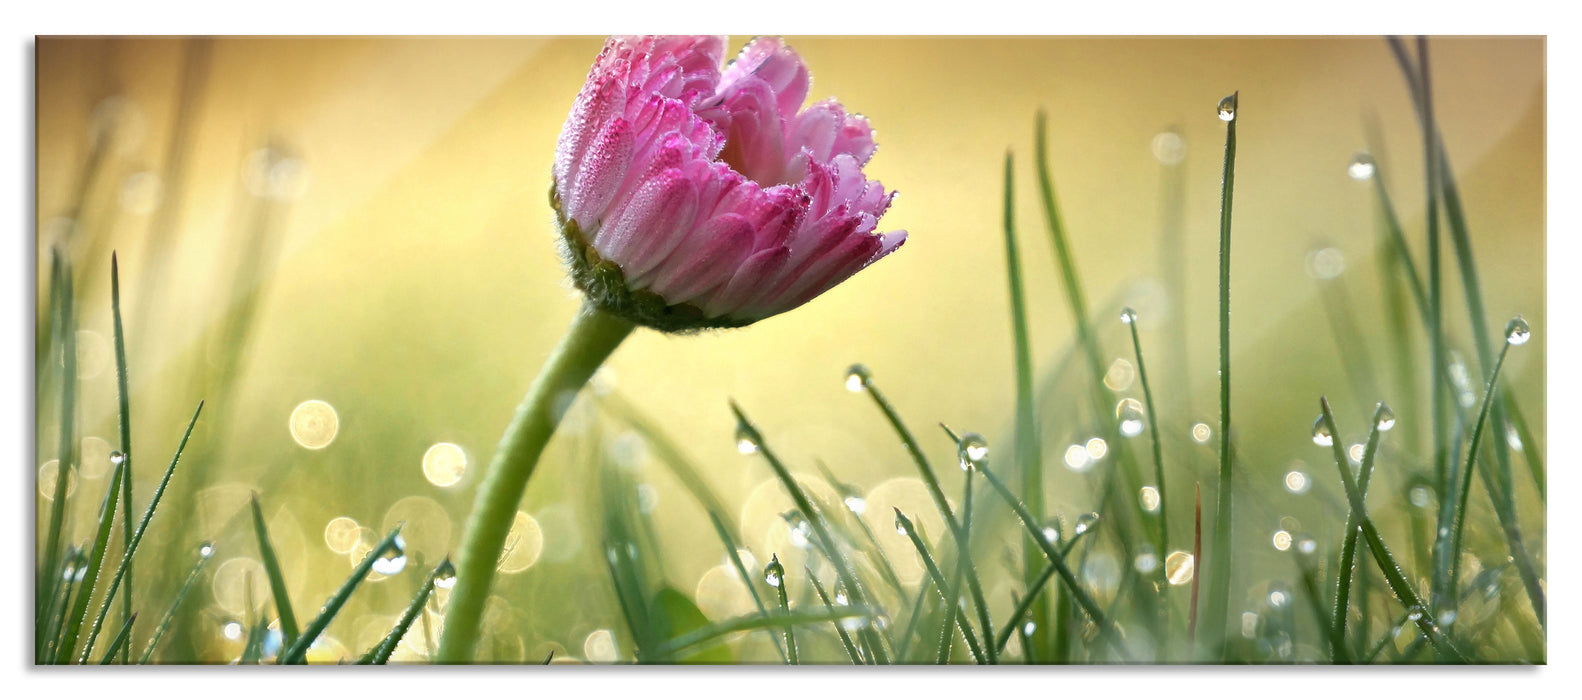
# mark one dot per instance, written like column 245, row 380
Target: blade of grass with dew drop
column 1163, row 542
column 49, row 633
column 277, row 579
column 1453, row 557
column 840, row 630
column 1399, row 586
column 1081, row 596
column 1022, row 606
column 79, row 609
column 1386, row 638
column 954, row 524
column 381, row 652
column 747, row 579
column 854, row 590
column 205, row 553
column 1348, row 549
column 683, row 467
column 124, row 569
column 257, row 629
column 125, row 414
column 297, row 653
column 120, row 640
column 68, row 414
column 778, row 582
column 1027, row 438
column 746, row 623
column 948, row 593
column 846, row 492
column 1220, row 569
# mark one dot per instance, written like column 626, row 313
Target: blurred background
column 345, row 247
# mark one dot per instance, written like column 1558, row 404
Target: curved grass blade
column 1387, row 565
column 845, row 639
column 74, row 561
column 205, row 553
column 1453, row 557
column 126, row 437
column 1014, row 621
column 747, row 579
column 101, row 541
column 753, row 622
column 948, row 593
column 120, row 639
column 1220, row 569
column 1348, row 549
column 277, row 580
column 381, row 652
column 854, row 590
column 124, row 570
column 846, row 492
column 1083, row 598
column 1163, row 544
column 61, row 285
column 297, row 653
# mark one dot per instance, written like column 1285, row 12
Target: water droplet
column 1296, row 481
column 1517, row 332
column 1077, row 458
column 856, row 504
column 1321, row 436
column 1386, row 418
column 117, row 458
column 1128, row 315
column 902, row 525
column 840, row 597
column 1168, row 148
column 1326, row 263
column 445, row 576
column 853, row 623
column 1415, row 615
column 1179, row 568
column 1307, row 545
column 1282, row 540
column 1096, row 448
column 972, row 449
column 1051, row 534
column 800, row 530
column 1148, row 496
column 393, row 560
column 746, row 441
column 1361, row 167
column 1201, row 433
column 858, row 378
column 1085, row 523
column 774, row 573
column 1227, row 108
column 1130, row 414
column 206, row 550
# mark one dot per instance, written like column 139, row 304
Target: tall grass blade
column 381, row 652
column 297, row 653
column 101, row 542
column 1020, row 611
column 205, row 553
column 948, row 593
column 117, row 644
column 1339, row 652
column 845, row 639
column 1162, row 545
column 125, row 414
column 1220, row 566
column 66, row 329
column 123, row 571
column 747, row 579
column 277, row 580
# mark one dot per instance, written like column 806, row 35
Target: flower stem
column 593, row 336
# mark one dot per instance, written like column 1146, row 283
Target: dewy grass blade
column 745, row 623
column 845, row 639
column 126, row 435
column 79, row 608
column 777, row 578
column 55, row 615
column 381, row 652
column 1027, row 438
column 1453, row 557
column 1220, row 569
column 1085, row 600
column 747, row 579
column 938, row 577
column 847, row 493
column 120, row 640
column 124, row 570
column 1383, row 419
column 1015, row 619
column 297, row 653
column 205, row 553
column 1129, row 317
column 1397, row 581
column 749, row 435
column 277, row 580
column 67, row 332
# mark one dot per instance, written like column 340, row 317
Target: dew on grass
column 902, row 525
column 393, row 559
column 1128, row 315
column 746, row 442
column 1084, row 523
column 858, row 378
column 1130, row 414
column 1517, row 332
column 1028, row 628
column 206, row 550
column 774, row 573
column 1051, row 534
column 974, row 448
column 1179, row 568
column 1361, row 167
column 1386, row 418
column 1227, row 108
column 1321, row 434
column 855, row 504
column 445, row 576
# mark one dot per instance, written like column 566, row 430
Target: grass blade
column 381, row 652
column 125, row 421
column 101, row 541
column 205, row 553
column 1382, row 419
column 1220, row 570
column 120, row 639
column 67, row 333
column 1015, row 619
column 297, row 653
column 948, row 593
column 845, row 639
column 752, row 622
column 747, row 579
column 1129, row 317
column 846, row 493
column 277, row 580
column 777, row 579
column 124, row 570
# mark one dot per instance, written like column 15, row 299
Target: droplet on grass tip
column 746, row 441
column 1085, row 523
column 858, row 378
column 393, row 559
column 1517, row 332
column 1386, row 418
column 856, row 504
column 1321, row 434
column 774, row 573
column 1130, row 414
column 1128, row 315
column 445, row 577
column 1227, row 108
column 974, row 448
column 1361, row 167
column 206, row 550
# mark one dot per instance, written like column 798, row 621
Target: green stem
column 1219, row 592
column 593, row 336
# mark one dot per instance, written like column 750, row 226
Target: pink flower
column 691, row 197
